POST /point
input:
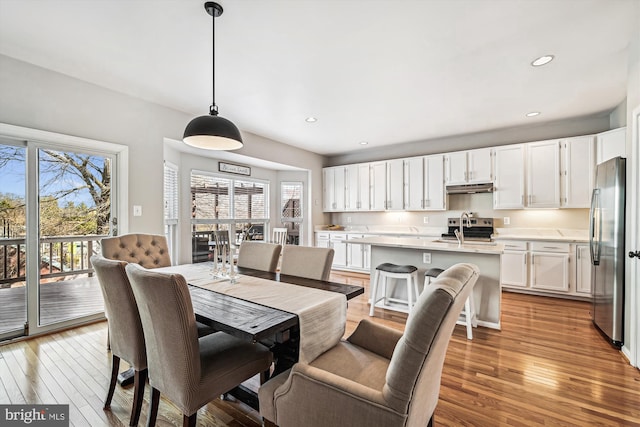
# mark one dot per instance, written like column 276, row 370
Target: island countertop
column 493, row 248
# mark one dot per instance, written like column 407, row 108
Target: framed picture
column 231, row 168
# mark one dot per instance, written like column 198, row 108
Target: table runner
column 322, row 314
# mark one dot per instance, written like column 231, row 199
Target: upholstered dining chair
column 188, row 370
column 307, row 261
column 148, row 250
column 125, row 329
column 259, row 256
column 378, row 376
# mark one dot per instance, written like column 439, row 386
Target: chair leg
column 430, row 423
column 374, row 292
column 153, row 410
column 140, row 378
column 115, row 366
column 264, row 376
column 410, row 300
column 189, row 421
column 467, row 316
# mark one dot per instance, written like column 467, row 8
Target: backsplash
column 481, row 205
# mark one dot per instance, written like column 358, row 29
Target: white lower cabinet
column 334, row 240
column 513, row 265
column 358, row 256
column 583, row 270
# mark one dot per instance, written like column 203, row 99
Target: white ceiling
column 381, row 71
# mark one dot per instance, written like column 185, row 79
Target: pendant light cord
column 213, row 110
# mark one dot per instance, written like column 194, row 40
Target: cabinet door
column 583, row 270
column 480, row 167
column 510, row 172
column 378, row 186
column 513, row 269
column 340, row 188
column 340, row 253
column 355, row 253
column 577, row 159
column 456, row 168
column 543, row 173
column 395, row 185
column 414, row 184
column 328, row 185
column 611, row 144
column 352, row 185
column 434, row 192
column 364, row 187
column 550, row 271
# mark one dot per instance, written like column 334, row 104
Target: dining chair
column 307, row 261
column 188, row 370
column 279, row 236
column 378, row 376
column 259, row 256
column 125, row 329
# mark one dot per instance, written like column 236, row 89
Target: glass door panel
column 13, row 257
column 74, row 214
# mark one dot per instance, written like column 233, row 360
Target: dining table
column 295, row 317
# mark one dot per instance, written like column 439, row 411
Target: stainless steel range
column 475, row 230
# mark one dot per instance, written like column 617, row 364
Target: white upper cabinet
column 577, row 171
column 510, row 177
column 611, row 144
column 334, row 182
column 358, row 187
column 378, row 186
column 543, row 174
column 469, row 167
column 395, row 185
column 435, row 197
column 414, row 183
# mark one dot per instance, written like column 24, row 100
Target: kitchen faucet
column 460, row 233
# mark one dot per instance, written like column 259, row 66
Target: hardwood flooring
column 547, row 366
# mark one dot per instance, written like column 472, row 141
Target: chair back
column 413, row 377
column 259, row 256
column 148, row 250
column 279, row 236
column 171, row 336
column 125, row 328
column 307, row 261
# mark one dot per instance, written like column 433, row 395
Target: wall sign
column 231, row 168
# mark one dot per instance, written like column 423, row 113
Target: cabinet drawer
column 550, row 247
column 323, row 236
column 338, row 237
column 515, row 246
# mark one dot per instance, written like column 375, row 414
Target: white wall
column 37, row 98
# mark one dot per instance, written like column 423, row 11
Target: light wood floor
column 548, row 366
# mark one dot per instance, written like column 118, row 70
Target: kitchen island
column 429, row 253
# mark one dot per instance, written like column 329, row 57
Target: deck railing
column 60, row 256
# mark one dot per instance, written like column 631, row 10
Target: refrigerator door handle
column 594, row 242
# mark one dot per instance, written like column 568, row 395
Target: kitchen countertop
column 427, row 244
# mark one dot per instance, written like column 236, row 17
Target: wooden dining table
column 252, row 321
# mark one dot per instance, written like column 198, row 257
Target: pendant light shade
column 212, row 132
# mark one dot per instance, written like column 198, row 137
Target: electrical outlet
column 348, row 219
column 506, row 220
column 137, row 210
column 426, row 258
column 425, row 220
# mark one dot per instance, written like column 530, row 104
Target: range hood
column 470, row 188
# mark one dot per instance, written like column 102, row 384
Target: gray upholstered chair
column 307, row 261
column 378, row 376
column 259, row 256
column 188, row 370
column 125, row 329
column 148, row 250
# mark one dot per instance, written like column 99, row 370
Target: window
column 222, row 203
column 291, row 209
column 171, row 208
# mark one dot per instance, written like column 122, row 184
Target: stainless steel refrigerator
column 606, row 240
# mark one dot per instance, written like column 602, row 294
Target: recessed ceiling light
column 310, row 120
column 542, row 60
column 363, row 143
column 533, row 114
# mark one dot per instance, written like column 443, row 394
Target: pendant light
column 213, row 132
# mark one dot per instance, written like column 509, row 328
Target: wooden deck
column 548, row 366
column 59, row 301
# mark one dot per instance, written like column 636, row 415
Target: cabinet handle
column 427, row 203
column 522, row 199
column 525, row 260
column 551, row 247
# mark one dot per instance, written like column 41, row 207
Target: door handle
column 635, row 254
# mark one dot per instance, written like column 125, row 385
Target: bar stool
column 467, row 317
column 393, row 271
